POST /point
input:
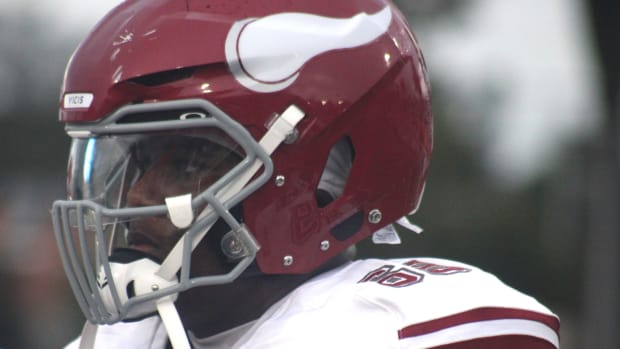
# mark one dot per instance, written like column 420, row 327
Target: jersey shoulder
column 410, row 303
column 444, row 302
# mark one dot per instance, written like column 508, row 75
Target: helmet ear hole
column 323, row 198
column 336, row 172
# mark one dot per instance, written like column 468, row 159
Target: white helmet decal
column 265, row 54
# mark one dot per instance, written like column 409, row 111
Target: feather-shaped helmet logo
column 265, row 54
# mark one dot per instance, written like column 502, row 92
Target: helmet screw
column 287, row 260
column 324, row 245
column 154, row 287
column 233, row 246
column 375, row 216
column 280, row 180
column 291, row 137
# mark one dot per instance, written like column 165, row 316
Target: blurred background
column 523, row 183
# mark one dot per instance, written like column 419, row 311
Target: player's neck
column 209, row 310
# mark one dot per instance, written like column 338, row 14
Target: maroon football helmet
column 254, row 95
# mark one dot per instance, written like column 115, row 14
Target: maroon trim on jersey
column 476, row 315
column 503, row 342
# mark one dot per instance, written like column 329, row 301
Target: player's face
column 174, row 172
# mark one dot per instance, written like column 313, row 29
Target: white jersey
column 395, row 304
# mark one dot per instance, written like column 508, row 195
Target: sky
column 520, row 74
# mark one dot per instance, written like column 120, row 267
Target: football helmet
column 236, row 106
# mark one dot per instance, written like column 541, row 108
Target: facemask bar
column 77, row 259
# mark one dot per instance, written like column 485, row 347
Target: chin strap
column 89, row 333
column 172, row 321
column 283, row 126
column 277, row 133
